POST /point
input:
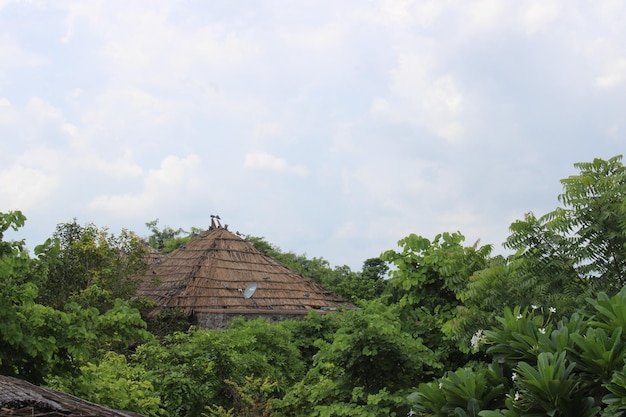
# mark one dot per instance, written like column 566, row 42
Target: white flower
column 440, row 385
column 552, row 309
column 517, row 396
column 542, row 330
column 477, row 340
column 514, row 376
column 535, row 307
column 411, row 413
column 520, row 316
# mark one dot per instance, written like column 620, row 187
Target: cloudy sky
column 331, row 128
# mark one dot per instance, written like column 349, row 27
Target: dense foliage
column 81, row 257
column 39, row 341
column 168, row 239
column 443, row 328
column 367, row 284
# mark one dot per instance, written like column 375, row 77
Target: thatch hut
column 218, row 275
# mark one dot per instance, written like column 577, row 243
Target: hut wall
column 220, row 320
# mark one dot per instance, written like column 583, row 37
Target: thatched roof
column 211, row 272
column 21, row 398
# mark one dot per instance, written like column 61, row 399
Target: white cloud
column 463, row 20
column 68, row 153
column 343, row 138
column 13, row 56
column 376, row 186
column 484, row 14
column 539, row 14
column 266, row 161
column 396, row 184
column 319, row 38
column 404, row 13
column 70, row 130
column 173, row 172
column 613, row 76
column 44, row 159
column 176, row 181
column 264, row 130
column 122, row 168
column 5, row 3
column 8, row 114
column 422, row 96
column 123, row 107
column 458, row 218
column 74, row 94
column 42, row 111
column 347, row 230
column 23, row 188
column 147, row 45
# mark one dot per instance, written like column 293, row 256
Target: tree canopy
column 444, row 328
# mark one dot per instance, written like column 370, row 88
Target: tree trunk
column 21, row 398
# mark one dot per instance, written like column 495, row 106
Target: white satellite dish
column 249, row 291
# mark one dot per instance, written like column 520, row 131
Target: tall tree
column 82, row 256
column 37, row 341
column 367, row 284
column 573, row 251
column 22, row 349
column 426, row 281
column 594, row 217
column 560, row 258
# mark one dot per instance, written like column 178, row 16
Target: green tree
column 374, row 273
column 426, row 281
column 583, row 242
column 113, row 382
column 541, row 277
column 253, row 398
column 201, row 368
column 560, row 258
column 27, row 343
column 364, row 370
column 169, row 239
column 594, row 217
column 367, row 285
column 78, row 257
column 309, row 333
column 15, row 259
column 37, row 341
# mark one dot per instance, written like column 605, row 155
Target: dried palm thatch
column 210, row 274
column 21, row 398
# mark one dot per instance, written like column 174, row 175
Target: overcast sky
column 332, row 128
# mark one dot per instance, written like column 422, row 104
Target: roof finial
column 215, row 217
